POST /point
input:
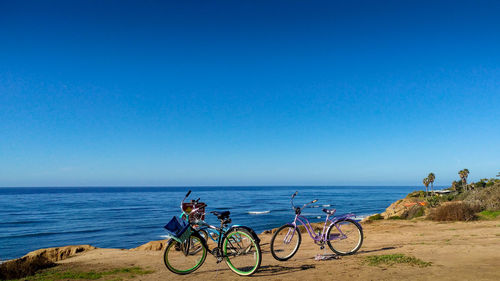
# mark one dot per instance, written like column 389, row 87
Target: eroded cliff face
column 60, row 253
column 406, row 208
column 39, row 259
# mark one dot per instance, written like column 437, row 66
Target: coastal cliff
column 39, row 259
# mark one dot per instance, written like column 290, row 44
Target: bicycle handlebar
column 293, row 206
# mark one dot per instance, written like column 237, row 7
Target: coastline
column 449, row 250
column 98, row 216
column 455, row 250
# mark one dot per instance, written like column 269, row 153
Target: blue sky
column 248, row 92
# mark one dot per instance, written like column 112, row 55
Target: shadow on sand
column 377, row 250
column 268, row 270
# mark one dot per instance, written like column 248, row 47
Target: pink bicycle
column 342, row 234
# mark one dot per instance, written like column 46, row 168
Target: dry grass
column 487, row 198
column 454, row 211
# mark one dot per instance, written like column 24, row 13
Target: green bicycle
column 238, row 246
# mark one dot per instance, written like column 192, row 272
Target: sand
column 457, row 251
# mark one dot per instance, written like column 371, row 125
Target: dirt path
column 458, row 251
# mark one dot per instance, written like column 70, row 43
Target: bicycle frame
column 202, row 225
column 231, row 241
column 320, row 237
column 199, row 225
column 222, row 234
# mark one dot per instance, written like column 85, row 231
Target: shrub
column 375, row 217
column 487, row 198
column 416, row 194
column 454, row 211
column 448, row 197
column 433, row 201
column 395, row 218
column 414, row 212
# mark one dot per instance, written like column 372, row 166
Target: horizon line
column 188, row 186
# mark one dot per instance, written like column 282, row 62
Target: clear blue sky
column 248, row 92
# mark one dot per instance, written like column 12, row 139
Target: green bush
column 433, row 201
column 416, row 194
column 447, row 197
column 375, row 217
column 489, row 215
column 415, row 212
column 395, row 218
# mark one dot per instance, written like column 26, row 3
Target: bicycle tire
column 294, row 251
column 171, row 249
column 242, row 234
column 357, row 228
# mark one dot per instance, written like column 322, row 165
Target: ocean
column 126, row 217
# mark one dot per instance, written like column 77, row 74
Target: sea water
column 126, row 217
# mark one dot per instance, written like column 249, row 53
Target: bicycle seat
column 221, row 215
column 329, row 211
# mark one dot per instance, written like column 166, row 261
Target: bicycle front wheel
column 242, row 252
column 196, row 247
column 186, row 257
column 345, row 237
column 285, row 242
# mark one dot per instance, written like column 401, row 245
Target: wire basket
column 178, row 229
column 199, row 214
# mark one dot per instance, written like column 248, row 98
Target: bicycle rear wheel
column 345, row 237
column 186, row 257
column 242, row 252
column 285, row 242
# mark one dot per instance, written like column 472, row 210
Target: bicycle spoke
column 183, row 258
column 285, row 242
column 345, row 237
column 242, row 253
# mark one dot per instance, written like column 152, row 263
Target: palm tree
column 431, row 178
column 426, row 182
column 463, row 175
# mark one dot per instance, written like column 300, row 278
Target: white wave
column 258, row 212
column 326, row 205
column 361, row 217
column 165, row 236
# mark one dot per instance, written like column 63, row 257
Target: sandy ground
column 457, row 250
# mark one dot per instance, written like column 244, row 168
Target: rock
column 400, row 207
column 158, row 245
column 60, row 253
column 37, row 260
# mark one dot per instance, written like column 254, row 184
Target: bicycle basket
column 198, row 215
column 178, row 229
